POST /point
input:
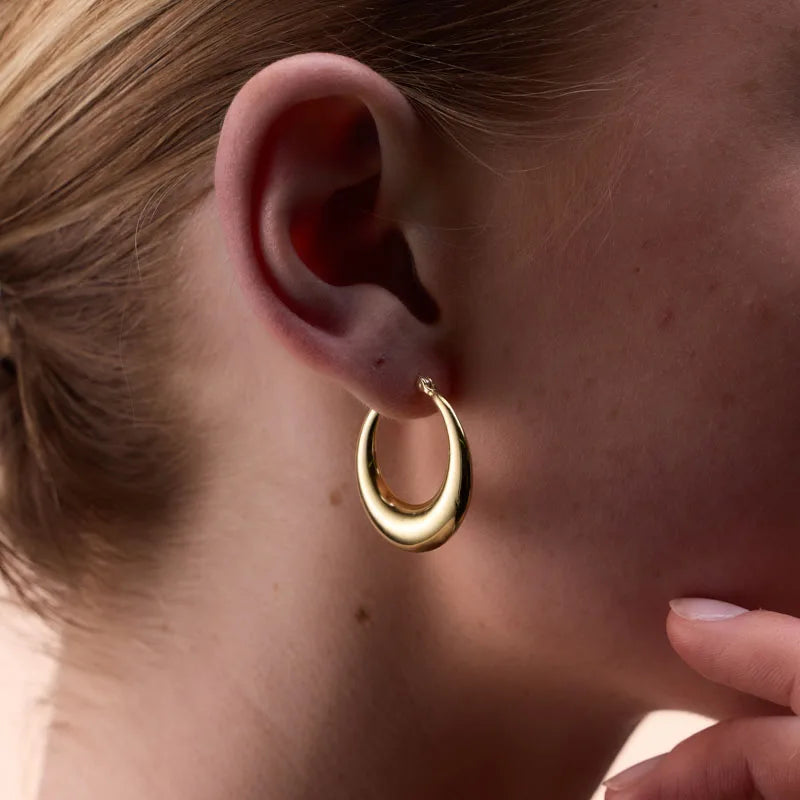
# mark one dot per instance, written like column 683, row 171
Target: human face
column 638, row 374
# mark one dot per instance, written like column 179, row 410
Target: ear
column 322, row 180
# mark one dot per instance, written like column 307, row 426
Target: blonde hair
column 109, row 118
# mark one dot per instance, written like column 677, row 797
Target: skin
column 757, row 652
column 618, row 332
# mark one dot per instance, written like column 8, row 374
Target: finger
column 756, row 652
column 742, row 759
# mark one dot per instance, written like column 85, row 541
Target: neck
column 292, row 653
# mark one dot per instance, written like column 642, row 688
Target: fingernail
column 630, row 777
column 703, row 610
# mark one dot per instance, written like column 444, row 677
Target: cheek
column 690, row 344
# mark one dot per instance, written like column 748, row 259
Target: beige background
column 24, row 675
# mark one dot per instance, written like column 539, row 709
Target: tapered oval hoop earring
column 425, row 526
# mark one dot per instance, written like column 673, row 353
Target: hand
column 757, row 652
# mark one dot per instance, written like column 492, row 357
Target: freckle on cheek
column 666, row 319
column 728, row 400
column 750, row 87
column 761, row 312
column 765, row 314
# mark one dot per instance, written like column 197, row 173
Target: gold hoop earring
column 428, row 525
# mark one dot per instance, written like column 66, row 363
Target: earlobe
column 320, row 167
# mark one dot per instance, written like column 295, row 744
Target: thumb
column 755, row 652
